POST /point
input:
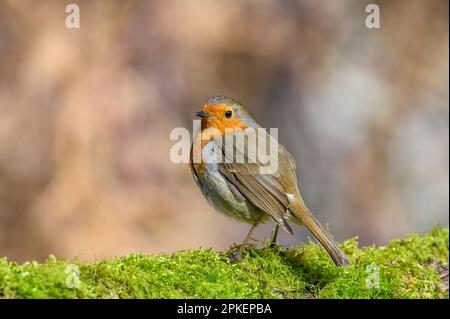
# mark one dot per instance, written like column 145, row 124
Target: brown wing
column 265, row 191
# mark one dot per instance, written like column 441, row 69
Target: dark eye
column 228, row 114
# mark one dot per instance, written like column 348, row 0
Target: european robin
column 240, row 189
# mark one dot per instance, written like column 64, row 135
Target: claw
column 236, row 257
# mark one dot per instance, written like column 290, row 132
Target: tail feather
column 321, row 234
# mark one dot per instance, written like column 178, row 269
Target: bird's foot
column 236, row 257
column 272, row 244
column 273, row 239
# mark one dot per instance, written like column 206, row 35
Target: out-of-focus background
column 85, row 118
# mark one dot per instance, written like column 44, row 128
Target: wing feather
column 265, row 191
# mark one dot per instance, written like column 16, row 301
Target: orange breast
column 196, row 168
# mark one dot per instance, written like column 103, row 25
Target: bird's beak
column 203, row 114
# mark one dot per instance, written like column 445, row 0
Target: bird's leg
column 273, row 241
column 237, row 255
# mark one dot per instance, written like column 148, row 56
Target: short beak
column 203, row 114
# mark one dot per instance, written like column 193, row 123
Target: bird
column 242, row 190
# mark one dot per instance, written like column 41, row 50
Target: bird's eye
column 228, row 114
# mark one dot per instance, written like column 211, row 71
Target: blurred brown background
column 85, row 118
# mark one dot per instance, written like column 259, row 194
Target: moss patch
column 414, row 267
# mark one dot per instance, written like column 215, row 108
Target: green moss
column 414, row 267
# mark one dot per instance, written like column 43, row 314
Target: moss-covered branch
column 414, row 267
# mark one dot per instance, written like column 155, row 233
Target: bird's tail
column 307, row 219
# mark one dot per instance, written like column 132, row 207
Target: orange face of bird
column 222, row 117
column 219, row 119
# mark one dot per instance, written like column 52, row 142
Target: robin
column 241, row 190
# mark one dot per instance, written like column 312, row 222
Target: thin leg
column 273, row 241
column 238, row 254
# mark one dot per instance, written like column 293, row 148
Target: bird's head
column 224, row 114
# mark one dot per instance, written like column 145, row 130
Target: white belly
column 215, row 188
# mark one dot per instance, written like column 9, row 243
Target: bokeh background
column 85, row 118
